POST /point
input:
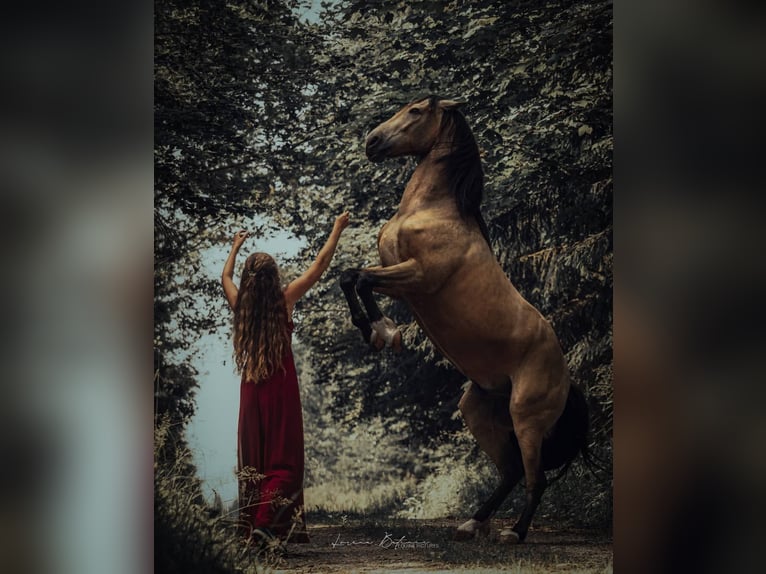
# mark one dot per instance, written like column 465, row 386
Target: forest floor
column 419, row 546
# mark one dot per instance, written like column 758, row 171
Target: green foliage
column 457, row 477
column 229, row 82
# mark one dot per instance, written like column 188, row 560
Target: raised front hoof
column 376, row 342
column 470, row 530
column 386, row 333
column 509, row 536
column 396, row 343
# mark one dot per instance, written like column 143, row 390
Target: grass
column 352, row 497
column 189, row 537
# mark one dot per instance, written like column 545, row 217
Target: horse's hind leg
column 486, row 416
column 510, row 475
column 535, row 486
column 359, row 318
column 529, row 425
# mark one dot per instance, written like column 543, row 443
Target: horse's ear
column 450, row 104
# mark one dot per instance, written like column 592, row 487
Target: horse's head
column 413, row 130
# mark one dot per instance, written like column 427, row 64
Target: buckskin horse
column 436, row 256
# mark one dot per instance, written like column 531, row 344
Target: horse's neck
column 428, row 187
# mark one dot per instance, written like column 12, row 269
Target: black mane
column 462, row 164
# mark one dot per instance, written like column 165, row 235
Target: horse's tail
column 570, row 438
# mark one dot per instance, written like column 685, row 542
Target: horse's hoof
column 385, row 330
column 396, row 343
column 376, row 341
column 509, row 536
column 471, row 529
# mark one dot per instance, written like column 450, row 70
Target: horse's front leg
column 359, row 318
column 393, row 281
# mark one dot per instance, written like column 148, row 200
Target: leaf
column 477, row 25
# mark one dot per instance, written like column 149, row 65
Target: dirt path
column 427, row 546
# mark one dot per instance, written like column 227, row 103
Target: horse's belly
column 482, row 348
column 484, row 361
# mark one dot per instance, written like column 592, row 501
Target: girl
column 270, row 433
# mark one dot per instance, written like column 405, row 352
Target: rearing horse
column 436, row 256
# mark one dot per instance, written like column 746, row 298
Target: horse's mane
column 462, row 164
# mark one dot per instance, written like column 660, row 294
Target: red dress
column 270, row 444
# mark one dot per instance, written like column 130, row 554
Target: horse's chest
column 388, row 244
column 417, row 237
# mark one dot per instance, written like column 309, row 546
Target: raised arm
column 227, row 277
column 297, row 288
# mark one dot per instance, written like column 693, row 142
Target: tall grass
column 191, row 537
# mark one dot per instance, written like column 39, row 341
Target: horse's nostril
column 372, row 142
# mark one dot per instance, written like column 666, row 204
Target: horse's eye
column 415, row 111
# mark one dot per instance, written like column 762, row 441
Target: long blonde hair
column 261, row 331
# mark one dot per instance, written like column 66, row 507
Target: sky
column 312, row 14
column 212, row 433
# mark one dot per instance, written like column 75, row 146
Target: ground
column 376, row 546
